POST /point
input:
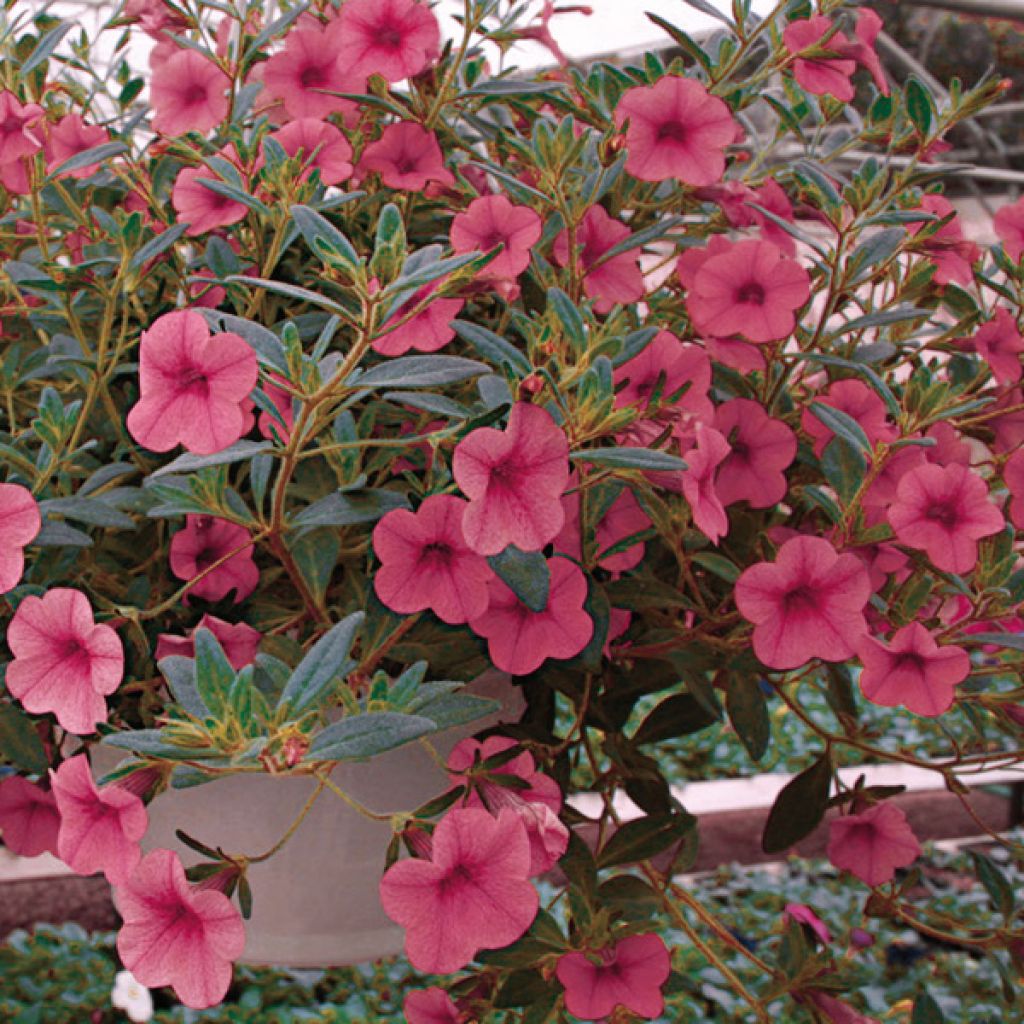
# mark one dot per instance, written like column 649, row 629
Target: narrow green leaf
column 799, row 807
column 326, row 661
column 367, row 735
column 19, row 742
column 525, row 573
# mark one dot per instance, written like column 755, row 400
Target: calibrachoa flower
column 873, row 844
column 191, row 385
column 952, row 254
column 323, row 147
column 239, row 641
column 176, row 934
column 19, row 523
column 406, row 157
column 490, row 222
column 912, row 670
column 427, row 331
column 1013, row 477
column 513, row 479
column 20, row 133
column 430, row 1006
column 1009, row 225
column 808, row 603
column 630, row 973
column 999, row 343
column 760, row 449
column 520, row 640
column 677, row 129
column 473, row 892
column 204, row 541
column 678, row 374
column 748, row 288
column 200, row 207
column 944, row 511
column 29, row 818
column 69, row 137
column 825, row 75
column 189, row 94
column 100, row 829
column 395, row 39
column 860, row 403
column 698, row 482
column 269, row 425
column 64, row 662
column 803, row 914
column 426, row 563
column 624, row 518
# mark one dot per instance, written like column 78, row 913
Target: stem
column 293, row 827
column 353, row 803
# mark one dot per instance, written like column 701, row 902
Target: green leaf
column 240, row 451
column 316, row 554
column 315, row 227
column 367, row 735
column 327, row 660
column 919, row 104
column 926, row 1010
column 389, row 246
column 844, row 468
column 644, row 838
column 349, row 508
column 156, row 246
column 451, row 709
column 747, row 709
column 717, row 564
column 525, row 573
column 418, row 372
column 493, row 348
column 682, row 40
column 799, row 807
column 997, row 885
column 46, row 45
column 154, row 743
column 93, row 511
column 679, row 715
column 569, row 317
column 842, row 425
column 869, row 376
column 96, row 155
column 630, row 458
column 180, row 673
column 19, row 742
column 213, row 672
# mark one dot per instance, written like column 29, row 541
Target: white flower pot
column 315, row 902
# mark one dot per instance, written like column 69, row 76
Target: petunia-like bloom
column 307, row 70
column 426, row 563
column 860, row 403
column 952, row 254
column 949, row 446
column 282, row 402
column 824, row 75
column 677, row 129
column 630, row 973
column 406, row 157
column 29, row 818
column 202, row 208
column 624, row 518
column 100, row 829
column 191, row 385
column 473, row 893
column 467, row 754
column 427, row 331
column 760, row 450
column 1007, row 420
column 19, row 523
column 176, row 934
column 64, row 662
column 944, row 511
column 607, row 281
column 1013, row 477
column 835, row 1011
column 493, row 222
column 239, row 641
column 323, row 147
column 802, row 914
column 679, row 375
column 698, row 480
column 513, row 479
column 20, row 132
column 430, row 1006
column 999, row 343
column 748, row 288
column 1009, row 226
column 808, row 603
column 912, row 670
column 204, row 541
column 395, row 39
column 188, row 93
column 520, row 640
column 69, row 137
column 873, row 844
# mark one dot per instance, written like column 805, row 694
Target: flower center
column 195, row 93
column 205, row 557
column 908, row 660
column 194, row 379
column 752, row 294
column 312, row 77
column 801, row 598
column 437, row 552
column 389, row 37
column 672, row 131
column 944, row 514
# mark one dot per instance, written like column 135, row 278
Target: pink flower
column 952, row 254
column 395, row 39
column 19, row 523
column 1008, row 427
column 175, row 934
column 430, row 1006
column 607, row 281
column 406, row 157
column 677, row 129
column 1009, row 225
column 860, row 403
column 999, row 343
column 100, row 829
column 69, row 137
column 29, row 818
column 63, row 661
column 426, row 563
column 1013, row 477
column 835, row 1011
column 493, row 222
column 203, row 542
column 760, row 449
column 203, row 209
column 323, row 147
column 873, row 844
column 912, row 670
column 467, row 755
column 239, row 641
column 630, row 973
column 823, row 76
column 803, row 914
column 20, row 133
column 303, row 74
column 520, row 640
column 624, row 518
column 698, row 481
column 282, row 402
column 679, row 374
column 191, row 385
column 427, row 331
column 747, row 288
column 472, row 893
column 808, row 603
column 866, row 30
column 513, row 479
column 944, row 511
column 949, row 446
column 189, row 94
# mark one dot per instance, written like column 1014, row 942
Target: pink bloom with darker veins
column 1013, row 477
column 802, row 914
column 623, row 519
column 679, row 374
column 473, row 892
column 395, row 39
column 873, row 844
column 406, row 157
column 698, row 482
column 191, row 385
column 429, row 330
column 493, row 222
column 176, row 934
column 513, row 479
column 520, row 640
column 760, row 450
column 1009, row 226
column 860, row 403
column 808, row 603
column 952, row 254
column 202, row 208
column 748, row 288
column 323, row 147
column 912, row 670
column 944, row 511
column 100, row 829
column 204, row 541
column 677, row 129
column 20, row 521
column 29, row 818
column 630, row 973
column 999, row 343
column 188, row 93
column 426, row 563
column 69, row 137
column 239, row 641
column 64, row 662
column 606, row 281
column 824, row 75
column 20, row 132
column 430, row 1006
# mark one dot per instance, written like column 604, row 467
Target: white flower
column 133, row 998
